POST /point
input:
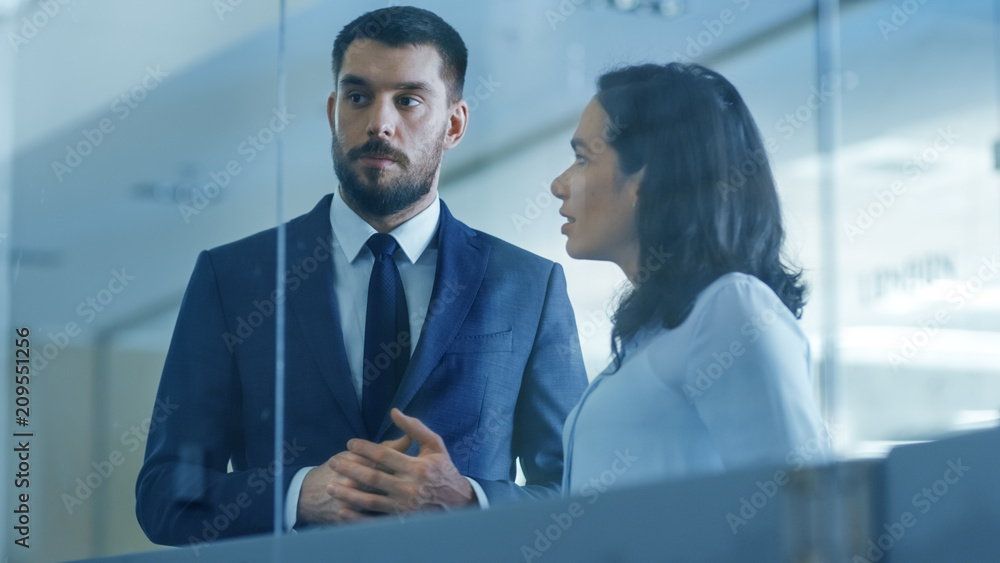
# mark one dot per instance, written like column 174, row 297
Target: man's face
column 391, row 121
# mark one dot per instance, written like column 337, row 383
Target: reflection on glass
column 139, row 135
column 144, row 133
column 917, row 224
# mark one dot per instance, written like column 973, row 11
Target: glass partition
column 141, row 135
column 135, row 135
column 917, row 222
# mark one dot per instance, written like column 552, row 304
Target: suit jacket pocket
column 481, row 343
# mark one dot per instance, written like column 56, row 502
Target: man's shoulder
column 259, row 240
column 506, row 253
column 263, row 243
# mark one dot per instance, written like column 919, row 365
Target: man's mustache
column 377, row 148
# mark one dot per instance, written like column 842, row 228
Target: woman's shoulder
column 736, row 291
column 736, row 304
column 723, row 307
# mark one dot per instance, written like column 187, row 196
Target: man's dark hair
column 397, row 26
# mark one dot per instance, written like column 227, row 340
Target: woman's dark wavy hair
column 707, row 201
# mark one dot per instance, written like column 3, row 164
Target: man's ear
column 458, row 119
column 331, row 108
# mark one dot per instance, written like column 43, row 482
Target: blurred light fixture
column 180, row 189
column 665, row 8
column 171, row 193
column 671, row 8
column 9, row 8
column 976, row 419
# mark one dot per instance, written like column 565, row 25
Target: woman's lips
column 569, row 221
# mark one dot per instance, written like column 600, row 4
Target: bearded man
column 393, row 306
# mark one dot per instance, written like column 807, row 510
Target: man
column 392, row 305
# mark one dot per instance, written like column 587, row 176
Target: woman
column 710, row 370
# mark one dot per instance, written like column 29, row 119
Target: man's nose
column 382, row 121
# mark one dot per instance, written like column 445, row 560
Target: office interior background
column 121, row 122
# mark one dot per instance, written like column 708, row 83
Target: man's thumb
column 400, row 444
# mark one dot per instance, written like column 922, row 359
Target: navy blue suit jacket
column 495, row 372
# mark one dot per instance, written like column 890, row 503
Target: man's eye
column 407, row 101
column 580, row 159
column 356, row 98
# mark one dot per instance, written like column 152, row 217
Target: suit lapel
column 461, row 266
column 313, row 305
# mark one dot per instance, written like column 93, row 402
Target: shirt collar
column 352, row 232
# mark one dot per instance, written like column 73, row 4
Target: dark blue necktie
column 387, row 334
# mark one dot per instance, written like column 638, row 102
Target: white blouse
column 728, row 388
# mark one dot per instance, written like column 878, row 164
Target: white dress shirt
column 728, row 388
column 352, row 269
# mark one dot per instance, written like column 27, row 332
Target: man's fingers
column 339, row 479
column 379, row 455
column 360, row 500
column 348, row 514
column 424, row 436
column 348, row 456
column 364, row 476
column 317, row 505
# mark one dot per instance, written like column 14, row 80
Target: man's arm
column 553, row 382
column 184, row 481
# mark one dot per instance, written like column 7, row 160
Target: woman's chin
column 578, row 253
column 571, row 250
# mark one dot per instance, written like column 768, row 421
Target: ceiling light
column 671, row 8
column 9, row 8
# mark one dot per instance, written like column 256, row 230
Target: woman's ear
column 632, row 182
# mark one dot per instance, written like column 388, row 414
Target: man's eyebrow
column 417, row 85
column 355, row 80
column 352, row 80
column 577, row 143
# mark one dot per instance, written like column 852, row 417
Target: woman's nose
column 559, row 186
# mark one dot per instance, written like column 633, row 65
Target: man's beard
column 377, row 195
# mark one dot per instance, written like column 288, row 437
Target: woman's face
column 598, row 200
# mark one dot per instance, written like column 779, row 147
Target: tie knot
column 380, row 244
